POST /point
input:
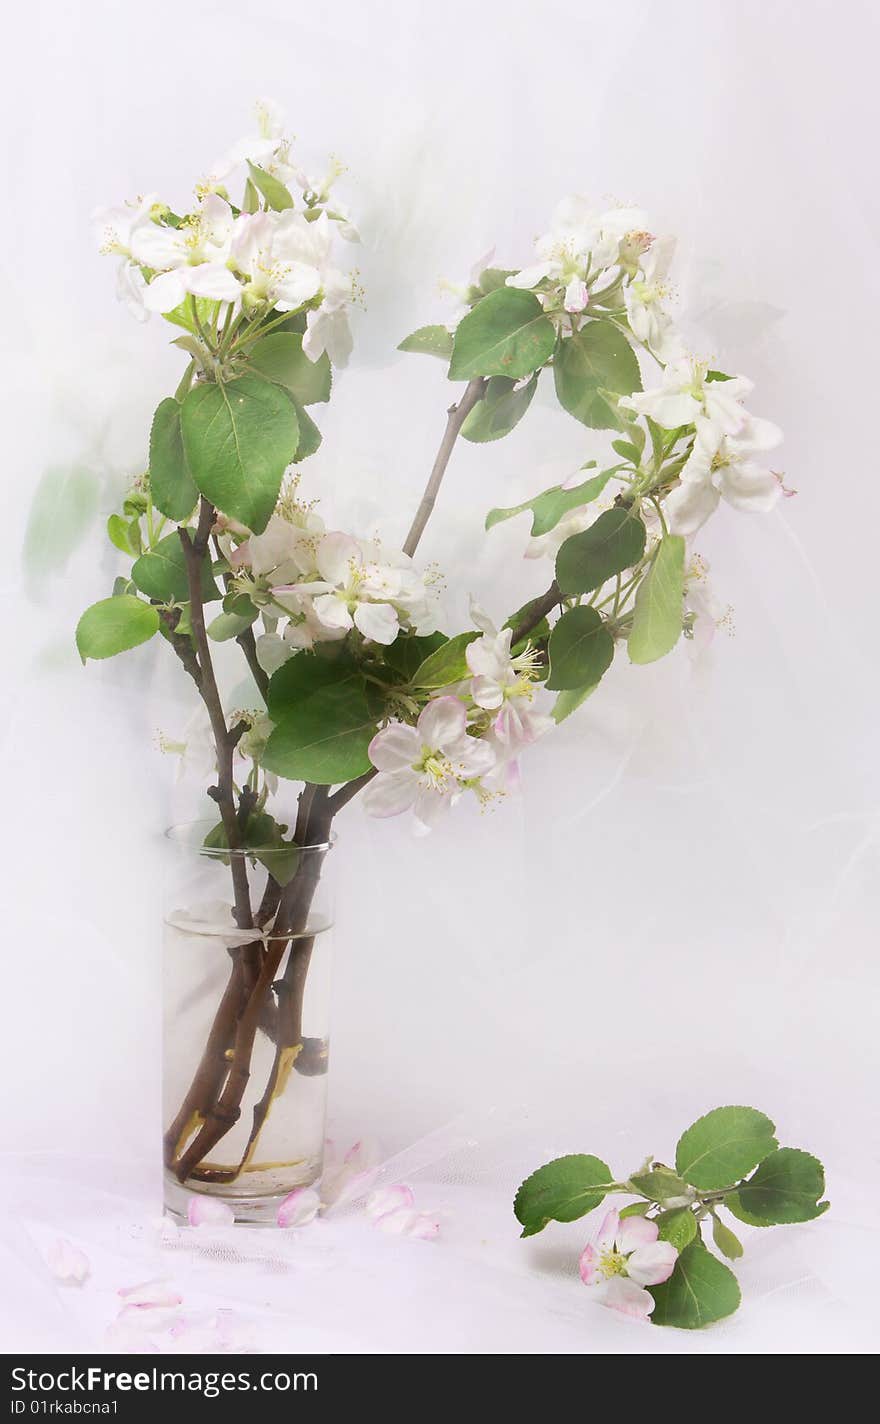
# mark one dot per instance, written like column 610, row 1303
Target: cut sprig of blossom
column 649, row 1260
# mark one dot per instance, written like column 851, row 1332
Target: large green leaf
column 551, row 506
column 657, row 615
column 429, row 341
column 280, row 358
column 172, row 486
column 273, row 191
column 700, row 1290
column 324, row 738
column 718, row 1149
column 581, row 650
column 506, row 334
column 595, row 360
column 309, row 435
column 616, row 541
column 306, row 673
column 785, row 1188
column 239, row 439
column 502, row 407
column 114, row 625
column 408, row 652
column 161, row 573
column 562, row 1190
column 447, row 664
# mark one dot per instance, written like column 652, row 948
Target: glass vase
column 246, row 980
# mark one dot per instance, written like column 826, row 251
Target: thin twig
column 456, row 416
column 538, row 609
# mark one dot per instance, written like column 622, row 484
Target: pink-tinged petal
column 636, row 1231
column 442, row 722
column 150, row 1294
column 486, row 693
column 588, row 1263
column 299, row 1207
column 471, row 756
column 607, row 1234
column 388, row 1199
column 377, row 621
column 530, row 276
column 337, row 554
column 576, row 295
column 391, row 793
column 649, row 1265
column 209, row 1211
column 420, row 1225
column 67, row 1263
column 628, row 1298
column 429, row 808
column 395, row 748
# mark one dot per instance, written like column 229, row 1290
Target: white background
column 682, row 908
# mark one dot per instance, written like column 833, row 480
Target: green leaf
column 306, row 673
column 309, row 435
column 661, row 1185
column 581, row 649
column 230, row 625
column 502, row 407
column 182, row 315
column 551, row 506
column 161, row 573
column 324, row 737
column 506, row 334
column 239, row 439
column 563, row 1190
column 280, row 358
column 728, row 1244
column 114, row 625
column 615, row 542
column 171, row 484
column 570, row 700
column 118, row 534
column 408, row 651
column 493, row 277
column 264, row 837
column 635, row 1209
column 429, row 341
column 658, row 610
column 275, row 193
column 721, row 1147
column 700, row 1290
column 785, row 1188
column 597, row 359
column 679, row 1227
column 446, row 665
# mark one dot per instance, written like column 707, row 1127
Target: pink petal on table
column 208, row 1211
column 67, row 1263
column 387, row 1199
column 148, row 1294
column 420, row 1225
column 653, row 1263
column 299, row 1207
column 628, row 1298
column 587, row 1264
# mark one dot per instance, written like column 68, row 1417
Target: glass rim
column 177, row 836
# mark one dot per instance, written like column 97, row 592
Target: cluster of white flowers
column 721, row 463
column 315, row 586
column 253, row 261
column 468, row 738
column 612, row 260
column 587, row 256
